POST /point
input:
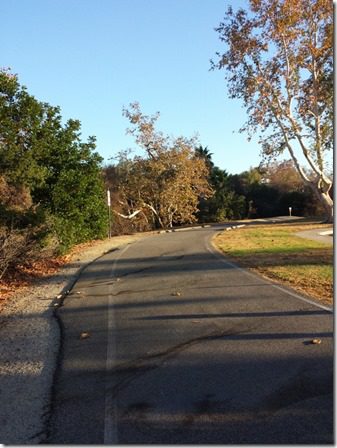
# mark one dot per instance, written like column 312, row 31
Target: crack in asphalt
column 140, row 366
column 166, row 256
column 138, row 271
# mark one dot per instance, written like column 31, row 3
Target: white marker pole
column 109, row 207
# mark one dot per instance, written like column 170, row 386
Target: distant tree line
column 260, row 192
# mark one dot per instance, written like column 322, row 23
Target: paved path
column 320, row 235
column 180, row 346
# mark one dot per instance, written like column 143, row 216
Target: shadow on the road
column 235, row 315
column 171, row 265
column 152, row 304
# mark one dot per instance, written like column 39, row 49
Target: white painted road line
column 110, row 416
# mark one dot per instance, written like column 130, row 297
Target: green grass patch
column 277, row 253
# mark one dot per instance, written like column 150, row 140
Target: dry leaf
column 316, row 341
column 84, row 335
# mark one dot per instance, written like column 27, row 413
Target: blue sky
column 92, row 57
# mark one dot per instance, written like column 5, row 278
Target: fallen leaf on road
column 177, row 293
column 316, row 341
column 84, row 335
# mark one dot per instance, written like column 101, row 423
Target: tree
column 164, row 185
column 251, row 177
column 21, row 118
column 73, row 191
column 293, row 193
column 225, row 204
column 204, row 153
column 261, row 199
column 284, row 176
column 45, row 163
column 279, row 61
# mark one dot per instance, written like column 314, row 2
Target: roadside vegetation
column 276, row 252
column 52, row 193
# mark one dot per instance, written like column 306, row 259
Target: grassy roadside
column 275, row 252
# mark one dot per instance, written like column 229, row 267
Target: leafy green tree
column 225, row 204
column 263, row 201
column 79, row 208
column 73, row 191
column 47, row 163
column 21, row 118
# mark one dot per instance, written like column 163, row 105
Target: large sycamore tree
column 163, row 186
column 279, row 61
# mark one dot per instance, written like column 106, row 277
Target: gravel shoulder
column 29, row 344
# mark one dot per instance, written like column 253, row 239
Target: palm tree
column 204, row 153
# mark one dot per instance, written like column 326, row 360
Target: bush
column 19, row 247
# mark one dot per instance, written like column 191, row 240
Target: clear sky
column 92, row 57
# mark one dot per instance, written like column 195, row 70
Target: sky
column 94, row 57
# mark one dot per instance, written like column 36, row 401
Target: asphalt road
column 184, row 347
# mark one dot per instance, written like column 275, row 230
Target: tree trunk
column 328, row 207
column 326, row 201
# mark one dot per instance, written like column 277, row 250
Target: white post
column 109, row 207
column 290, row 211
